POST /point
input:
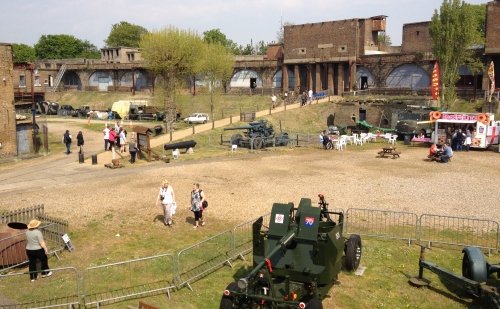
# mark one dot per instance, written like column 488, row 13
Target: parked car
column 197, row 118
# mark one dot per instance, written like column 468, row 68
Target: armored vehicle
column 257, row 135
column 296, row 260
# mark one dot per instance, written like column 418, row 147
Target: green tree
column 63, row 46
column 173, row 55
column 23, row 53
column 125, row 34
column 454, row 31
column 217, row 67
column 216, row 36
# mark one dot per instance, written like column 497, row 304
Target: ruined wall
column 492, row 45
column 325, row 41
column 416, row 38
column 7, row 114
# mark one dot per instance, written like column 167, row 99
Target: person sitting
column 324, row 139
column 447, row 154
column 432, row 151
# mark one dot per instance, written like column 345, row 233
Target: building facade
column 8, row 140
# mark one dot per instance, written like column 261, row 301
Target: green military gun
column 258, row 134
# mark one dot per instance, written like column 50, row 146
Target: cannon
column 180, row 145
column 474, row 279
column 257, row 135
column 296, row 260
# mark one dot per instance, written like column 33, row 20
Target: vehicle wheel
column 204, row 121
column 329, row 145
column 314, row 304
column 227, row 302
column 473, row 265
column 257, row 143
column 283, row 139
column 352, row 253
column 235, row 139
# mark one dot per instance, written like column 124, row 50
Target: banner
column 435, row 84
column 491, row 75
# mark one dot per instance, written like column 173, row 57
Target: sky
column 242, row 21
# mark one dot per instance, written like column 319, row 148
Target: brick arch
column 362, row 73
column 72, row 80
column 241, row 78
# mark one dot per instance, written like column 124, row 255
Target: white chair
column 387, row 137
column 392, row 139
column 341, row 143
column 234, row 148
column 357, row 139
column 176, row 154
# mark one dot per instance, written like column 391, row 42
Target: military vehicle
column 258, row 134
column 296, row 260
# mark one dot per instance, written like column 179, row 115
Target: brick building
column 416, row 38
column 8, row 144
column 492, row 43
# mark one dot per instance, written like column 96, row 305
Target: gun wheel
column 314, row 304
column 352, row 253
column 227, row 302
column 474, row 265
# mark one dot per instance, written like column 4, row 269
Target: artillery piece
column 296, row 261
column 258, row 134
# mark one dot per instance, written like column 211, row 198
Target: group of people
column 115, row 136
column 166, row 197
column 442, row 155
column 306, row 98
column 67, row 139
column 458, row 139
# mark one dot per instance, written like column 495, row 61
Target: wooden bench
column 389, row 152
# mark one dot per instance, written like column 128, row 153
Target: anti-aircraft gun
column 296, row 261
column 258, row 134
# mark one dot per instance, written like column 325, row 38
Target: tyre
column 227, row 302
column 235, row 139
column 314, row 304
column 329, row 145
column 473, row 265
column 352, row 253
column 283, row 139
column 257, row 143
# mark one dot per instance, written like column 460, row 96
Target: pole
column 33, row 109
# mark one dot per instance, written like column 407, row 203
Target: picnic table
column 389, row 151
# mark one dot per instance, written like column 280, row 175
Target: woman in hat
column 167, row 198
column 36, row 249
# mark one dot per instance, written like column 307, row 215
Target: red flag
column 491, row 75
column 435, row 84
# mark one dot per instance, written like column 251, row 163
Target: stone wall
column 492, row 45
column 8, row 141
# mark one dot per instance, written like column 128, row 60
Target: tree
column 216, row 36
column 173, row 55
column 63, row 46
column 125, row 34
column 384, row 39
column 217, row 66
column 23, row 53
column 280, row 35
column 454, row 31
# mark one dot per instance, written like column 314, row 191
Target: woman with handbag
column 167, row 198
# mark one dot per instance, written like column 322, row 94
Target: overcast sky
column 240, row 20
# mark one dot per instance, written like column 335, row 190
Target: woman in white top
column 123, row 139
column 167, row 198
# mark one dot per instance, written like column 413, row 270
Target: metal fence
column 113, row 282
column 201, row 259
column 22, row 215
column 458, row 231
column 43, row 293
column 380, row 223
column 242, row 237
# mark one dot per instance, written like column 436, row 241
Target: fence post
column 170, row 134
column 194, row 130
column 297, row 139
column 230, row 119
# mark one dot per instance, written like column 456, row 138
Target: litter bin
column 94, row 159
column 81, row 158
column 407, row 140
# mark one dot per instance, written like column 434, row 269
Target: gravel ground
column 245, row 186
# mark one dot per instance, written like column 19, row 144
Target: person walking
column 80, row 141
column 67, row 141
column 112, row 138
column 167, row 198
column 197, row 200
column 468, row 140
column 273, row 101
column 106, row 137
column 36, row 249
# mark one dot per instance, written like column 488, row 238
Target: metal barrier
column 203, row 258
column 22, row 215
column 108, row 283
column 58, row 291
column 458, row 231
column 380, row 223
column 242, row 237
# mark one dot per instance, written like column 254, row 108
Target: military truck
column 296, row 260
column 258, row 134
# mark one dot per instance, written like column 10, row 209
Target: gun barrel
column 238, row 128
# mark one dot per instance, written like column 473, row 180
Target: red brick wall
column 7, row 114
column 493, row 28
column 416, row 38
